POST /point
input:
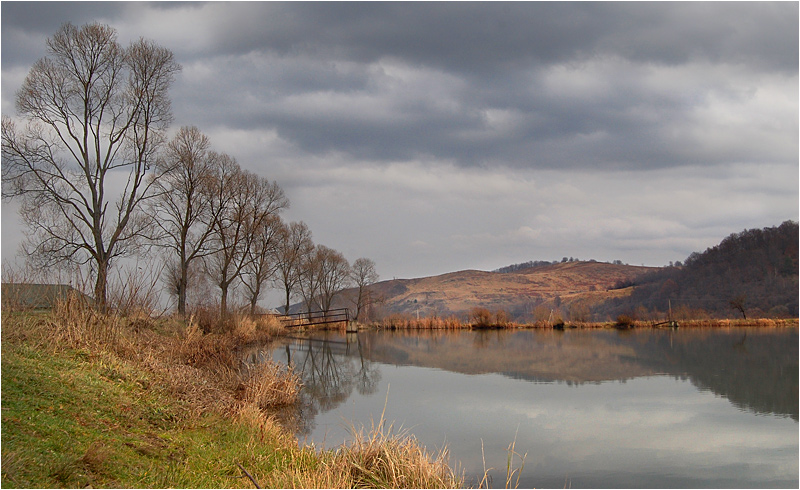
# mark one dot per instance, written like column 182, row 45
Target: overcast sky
column 436, row 137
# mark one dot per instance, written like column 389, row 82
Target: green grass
column 123, row 412
column 72, row 419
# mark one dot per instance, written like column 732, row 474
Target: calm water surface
column 590, row 408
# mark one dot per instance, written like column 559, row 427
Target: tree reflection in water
column 330, row 370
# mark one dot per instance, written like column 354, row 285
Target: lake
column 644, row 408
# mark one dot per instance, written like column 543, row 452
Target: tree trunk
column 359, row 302
column 182, row 289
column 254, row 300
column 100, row 286
column 223, row 302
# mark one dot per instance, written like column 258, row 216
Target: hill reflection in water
column 635, row 383
column 756, row 369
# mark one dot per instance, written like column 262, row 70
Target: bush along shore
column 94, row 400
column 481, row 318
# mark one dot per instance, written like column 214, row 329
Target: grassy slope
column 78, row 413
column 71, row 419
column 460, row 291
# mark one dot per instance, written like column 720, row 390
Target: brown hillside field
column 458, row 292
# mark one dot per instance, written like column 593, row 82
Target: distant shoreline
column 453, row 323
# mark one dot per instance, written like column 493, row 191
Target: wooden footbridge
column 337, row 315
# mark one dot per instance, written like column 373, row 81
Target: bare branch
column 92, row 108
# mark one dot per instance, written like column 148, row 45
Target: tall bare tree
column 181, row 209
column 334, row 275
column 294, row 246
column 309, row 279
column 94, row 111
column 243, row 203
column 363, row 275
column 263, row 262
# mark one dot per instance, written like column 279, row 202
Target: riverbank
column 399, row 322
column 104, row 401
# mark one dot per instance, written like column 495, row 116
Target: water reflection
column 756, row 369
column 592, row 408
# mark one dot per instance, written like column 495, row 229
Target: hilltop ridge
column 517, row 293
column 753, row 273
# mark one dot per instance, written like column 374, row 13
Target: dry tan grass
column 375, row 458
column 378, row 458
column 244, row 330
column 80, row 325
column 72, row 324
column 200, row 370
column 205, row 350
column 267, row 386
column 401, row 321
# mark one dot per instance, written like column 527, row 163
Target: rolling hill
column 517, row 293
column 753, row 273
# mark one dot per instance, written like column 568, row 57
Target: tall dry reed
column 205, row 350
column 267, row 385
column 399, row 321
column 76, row 323
column 379, row 458
column 375, row 458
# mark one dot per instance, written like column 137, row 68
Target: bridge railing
column 336, row 315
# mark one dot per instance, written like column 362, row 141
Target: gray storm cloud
column 369, row 113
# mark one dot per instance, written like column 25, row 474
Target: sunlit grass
column 133, row 402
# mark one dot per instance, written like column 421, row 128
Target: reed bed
column 406, row 322
column 268, row 385
column 377, row 457
column 738, row 322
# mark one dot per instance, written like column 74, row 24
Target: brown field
column 457, row 293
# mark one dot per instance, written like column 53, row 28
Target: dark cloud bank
column 585, row 103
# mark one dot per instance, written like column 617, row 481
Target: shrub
column 480, row 317
column 624, row 321
column 501, row 318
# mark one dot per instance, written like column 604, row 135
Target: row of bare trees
column 207, row 209
column 98, row 179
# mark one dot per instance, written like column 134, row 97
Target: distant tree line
column 542, row 263
column 751, row 273
column 524, row 265
column 94, row 112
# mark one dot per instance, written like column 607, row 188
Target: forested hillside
column 749, row 274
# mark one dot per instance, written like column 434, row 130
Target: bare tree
column 308, row 283
column 243, row 203
column 363, row 275
column 227, row 228
column 334, row 275
column 182, row 209
column 94, row 111
column 738, row 303
column 262, row 264
column 294, row 245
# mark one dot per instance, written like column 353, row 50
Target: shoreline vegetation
column 401, row 322
column 93, row 400
column 106, row 400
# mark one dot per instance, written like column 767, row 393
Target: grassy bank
column 103, row 401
